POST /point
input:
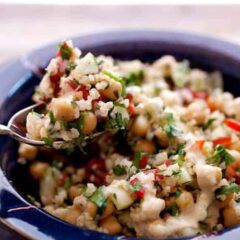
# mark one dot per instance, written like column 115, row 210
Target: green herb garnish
column 176, row 194
column 118, row 79
column 116, row 123
column 134, row 78
column 170, row 127
column 208, row 123
column 231, row 188
column 220, row 155
column 52, row 117
column 47, row 141
column 67, row 184
column 99, row 199
column 65, row 51
column 137, row 159
column 173, row 210
column 119, row 170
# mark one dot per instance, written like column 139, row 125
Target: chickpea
column 89, row 123
column 225, row 203
column 62, row 109
column 108, row 210
column 231, row 217
column 72, row 214
column 75, row 191
column 161, row 137
column 111, row 225
column 166, row 65
column 146, row 146
column 38, row 169
column 91, row 208
column 185, row 200
column 140, row 126
column 27, row 151
column 113, row 91
column 60, row 212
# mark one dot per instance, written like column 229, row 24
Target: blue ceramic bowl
column 19, row 78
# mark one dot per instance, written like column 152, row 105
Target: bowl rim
column 30, row 62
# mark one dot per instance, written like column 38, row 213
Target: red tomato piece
column 225, row 141
column 143, row 162
column 131, row 109
column 168, row 162
column 235, row 125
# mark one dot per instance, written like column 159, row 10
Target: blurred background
column 24, row 26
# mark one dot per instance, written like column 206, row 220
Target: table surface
column 25, row 27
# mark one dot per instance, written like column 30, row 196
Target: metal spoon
column 17, row 130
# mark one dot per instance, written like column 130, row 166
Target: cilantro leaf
column 232, row 188
column 65, row 51
column 173, row 210
column 137, row 159
column 99, row 199
column 176, row 194
column 118, row 79
column 220, row 155
column 47, row 141
column 116, row 123
column 170, row 127
column 208, row 123
column 52, row 117
column 119, row 170
column 134, row 78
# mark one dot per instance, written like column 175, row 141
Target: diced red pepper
column 230, row 171
column 72, row 85
column 143, row 161
column 140, row 192
column 200, row 143
column 168, row 162
column 235, row 125
column 129, row 97
column 225, row 141
column 157, row 176
column 84, row 91
column 131, row 109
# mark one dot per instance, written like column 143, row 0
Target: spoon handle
column 4, row 130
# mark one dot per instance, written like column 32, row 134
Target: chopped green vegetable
column 173, row 210
column 67, row 184
column 137, row 186
column 121, row 105
column 119, row 170
column 47, row 141
column 52, row 117
column 65, row 51
column 170, row 127
column 137, row 159
column 99, row 199
column 220, row 155
column 116, row 123
column 118, row 79
column 134, row 78
column 208, row 123
column 176, row 194
column 231, row 188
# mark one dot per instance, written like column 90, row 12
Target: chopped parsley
column 119, row 170
column 134, row 78
column 208, row 123
column 99, row 199
column 170, row 127
column 231, row 188
column 173, row 210
column 116, row 123
column 137, row 159
column 67, row 184
column 176, row 194
column 137, row 186
column 220, row 155
column 121, row 105
column 52, row 117
column 65, row 51
column 47, row 141
column 118, row 79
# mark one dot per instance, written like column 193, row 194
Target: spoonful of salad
column 78, row 98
